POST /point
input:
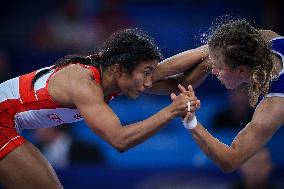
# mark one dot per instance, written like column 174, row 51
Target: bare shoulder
column 268, row 34
column 270, row 111
column 82, row 85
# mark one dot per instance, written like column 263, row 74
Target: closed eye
column 147, row 73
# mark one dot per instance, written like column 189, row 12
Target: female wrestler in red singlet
column 79, row 87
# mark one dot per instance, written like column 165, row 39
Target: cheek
column 136, row 81
column 225, row 74
column 139, row 81
column 133, row 83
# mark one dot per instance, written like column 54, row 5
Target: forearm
column 180, row 63
column 164, row 87
column 193, row 77
column 197, row 75
column 267, row 119
column 134, row 134
column 224, row 156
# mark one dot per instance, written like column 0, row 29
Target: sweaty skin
column 87, row 96
column 267, row 119
column 187, row 68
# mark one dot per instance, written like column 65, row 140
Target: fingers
column 194, row 102
column 193, row 108
column 183, row 105
column 198, row 104
column 191, row 92
column 190, row 89
column 187, row 117
column 181, row 88
column 173, row 96
column 191, row 104
column 188, row 92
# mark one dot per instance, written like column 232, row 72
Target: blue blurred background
column 34, row 34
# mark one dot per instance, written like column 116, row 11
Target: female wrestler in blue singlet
column 242, row 54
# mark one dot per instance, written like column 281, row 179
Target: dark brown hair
column 126, row 47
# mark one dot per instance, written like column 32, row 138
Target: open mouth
column 139, row 92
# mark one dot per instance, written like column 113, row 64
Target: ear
column 243, row 70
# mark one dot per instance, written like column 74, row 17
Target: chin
column 135, row 96
column 231, row 86
column 132, row 96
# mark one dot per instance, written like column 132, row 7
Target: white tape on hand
column 188, row 106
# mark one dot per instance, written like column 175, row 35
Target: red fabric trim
column 112, row 95
column 10, row 107
column 96, row 73
column 26, row 91
column 13, row 144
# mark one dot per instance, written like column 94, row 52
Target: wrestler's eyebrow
column 149, row 67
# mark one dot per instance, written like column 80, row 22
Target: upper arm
column 267, row 119
column 268, row 34
column 88, row 97
column 180, row 63
column 194, row 77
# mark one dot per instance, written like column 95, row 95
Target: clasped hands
column 193, row 103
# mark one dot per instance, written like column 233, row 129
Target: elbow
column 230, row 165
column 120, row 148
column 228, row 168
column 120, row 145
column 117, row 139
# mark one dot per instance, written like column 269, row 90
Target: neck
column 108, row 82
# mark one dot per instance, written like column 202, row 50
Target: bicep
column 96, row 113
column 180, row 62
column 267, row 119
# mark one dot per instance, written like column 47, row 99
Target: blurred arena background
column 34, row 34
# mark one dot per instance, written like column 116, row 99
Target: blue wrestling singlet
column 277, row 86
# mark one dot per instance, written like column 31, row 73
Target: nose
column 148, row 83
column 215, row 72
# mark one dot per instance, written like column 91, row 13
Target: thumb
column 188, row 117
column 198, row 104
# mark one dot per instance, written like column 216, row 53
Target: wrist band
column 190, row 125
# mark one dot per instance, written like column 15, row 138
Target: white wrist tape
column 190, row 125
